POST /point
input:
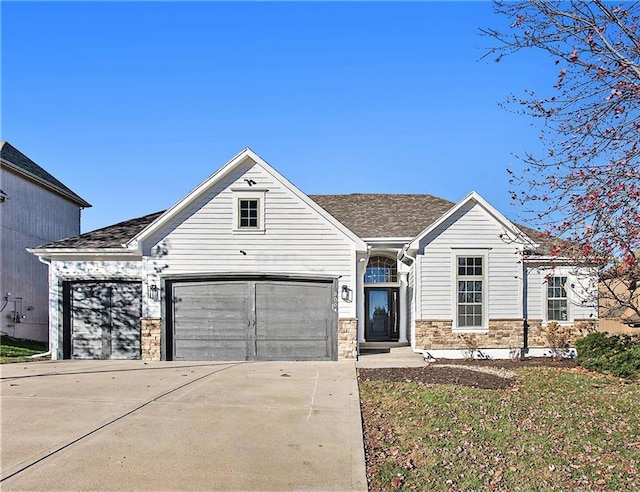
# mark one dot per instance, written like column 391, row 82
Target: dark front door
column 381, row 306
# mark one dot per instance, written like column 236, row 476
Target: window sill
column 469, row 330
column 248, row 231
column 561, row 323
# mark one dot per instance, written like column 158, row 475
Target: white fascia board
column 195, row 194
column 473, row 196
column 241, row 275
column 387, row 239
column 85, row 253
column 558, row 260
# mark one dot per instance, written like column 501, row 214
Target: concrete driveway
column 130, row 425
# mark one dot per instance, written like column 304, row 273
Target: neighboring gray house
column 248, row 267
column 35, row 208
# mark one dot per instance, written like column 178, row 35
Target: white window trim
column 484, row 254
column 254, row 194
column 545, row 299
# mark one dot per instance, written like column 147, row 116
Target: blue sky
column 132, row 105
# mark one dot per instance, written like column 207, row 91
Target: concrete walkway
column 396, row 357
column 107, row 425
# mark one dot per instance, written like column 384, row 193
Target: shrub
column 471, row 344
column 558, row 339
column 618, row 355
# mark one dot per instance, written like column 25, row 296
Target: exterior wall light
column 153, row 293
column 345, row 293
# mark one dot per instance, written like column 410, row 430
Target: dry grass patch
column 553, row 429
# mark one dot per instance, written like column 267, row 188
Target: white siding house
column 35, row 209
column 248, row 267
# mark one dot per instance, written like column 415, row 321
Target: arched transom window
column 381, row 269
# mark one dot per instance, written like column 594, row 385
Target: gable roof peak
column 218, row 176
column 15, row 160
column 477, row 198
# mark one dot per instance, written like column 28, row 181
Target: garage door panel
column 87, row 315
column 275, row 349
column 105, row 320
column 253, row 319
column 292, row 320
column 210, row 321
column 227, row 350
column 296, row 310
column 125, row 326
column 87, row 347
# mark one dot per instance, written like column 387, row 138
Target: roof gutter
column 404, row 254
column 558, row 260
column 49, row 253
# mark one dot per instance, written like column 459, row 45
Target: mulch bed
column 483, row 374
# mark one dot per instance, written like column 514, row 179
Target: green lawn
column 17, row 350
column 557, row 429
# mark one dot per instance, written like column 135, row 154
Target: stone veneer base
column 502, row 334
column 150, row 339
column 347, row 338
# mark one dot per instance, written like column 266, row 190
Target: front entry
column 381, row 307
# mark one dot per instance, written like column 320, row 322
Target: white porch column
column 360, row 314
column 403, row 307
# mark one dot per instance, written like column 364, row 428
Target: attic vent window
column 249, row 214
column 248, row 211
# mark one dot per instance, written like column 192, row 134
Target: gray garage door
column 103, row 320
column 253, row 320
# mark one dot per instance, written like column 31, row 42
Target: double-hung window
column 557, row 305
column 471, row 292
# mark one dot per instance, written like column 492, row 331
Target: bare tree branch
column 585, row 185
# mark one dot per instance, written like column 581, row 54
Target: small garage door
column 253, row 320
column 102, row 320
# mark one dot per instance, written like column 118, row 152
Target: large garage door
column 102, row 320
column 253, row 320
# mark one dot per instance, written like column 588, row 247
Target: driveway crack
column 112, row 421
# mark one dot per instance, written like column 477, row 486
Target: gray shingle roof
column 21, row 163
column 113, row 236
column 367, row 215
column 384, row 215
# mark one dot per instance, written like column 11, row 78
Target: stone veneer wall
column 150, row 339
column 438, row 335
column 502, row 333
column 347, row 338
column 581, row 327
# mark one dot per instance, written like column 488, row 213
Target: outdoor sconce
column 153, row 293
column 345, row 293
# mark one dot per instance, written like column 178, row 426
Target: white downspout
column 403, row 307
column 402, row 254
column 48, row 263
